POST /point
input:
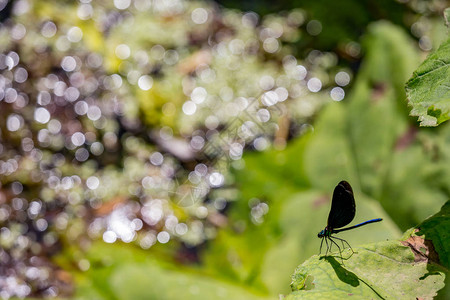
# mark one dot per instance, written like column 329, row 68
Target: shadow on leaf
column 343, row 274
column 346, row 276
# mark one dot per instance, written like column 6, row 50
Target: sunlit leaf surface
column 415, row 267
column 384, row 270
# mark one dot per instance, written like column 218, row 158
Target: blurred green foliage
column 342, row 21
column 428, row 91
column 295, row 182
column 125, row 273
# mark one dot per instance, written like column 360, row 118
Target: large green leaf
column 414, row 268
column 385, row 270
column 416, row 184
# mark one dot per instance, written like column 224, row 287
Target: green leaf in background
column 126, row 272
column 364, row 130
column 385, row 270
column 371, row 142
column 429, row 87
column 160, row 283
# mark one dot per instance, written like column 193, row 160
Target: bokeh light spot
column 81, row 154
column 78, row 139
column 20, row 75
column 48, row 29
column 122, row 4
column 92, row 183
column 145, row 82
column 94, row 113
column 14, row 122
column 199, row 15
column 189, row 108
column 216, row 179
column 314, row 85
column 269, row 98
column 123, row 51
column 314, row 27
column 68, row 63
column 271, row 45
column 75, row 34
column 198, row 95
column 263, row 115
column 109, row 236
column 300, row 72
column 156, row 159
column 163, row 237
column 342, row 78
column 97, row 148
column 337, row 94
